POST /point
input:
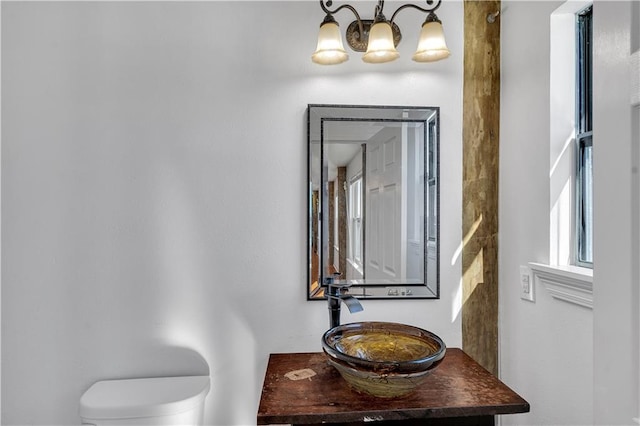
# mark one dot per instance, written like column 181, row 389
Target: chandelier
column 379, row 37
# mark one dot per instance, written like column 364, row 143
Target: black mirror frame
column 392, row 291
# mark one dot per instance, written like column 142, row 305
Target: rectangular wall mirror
column 373, row 196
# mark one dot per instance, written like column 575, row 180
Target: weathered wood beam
column 481, row 127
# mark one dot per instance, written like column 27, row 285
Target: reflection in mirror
column 373, row 200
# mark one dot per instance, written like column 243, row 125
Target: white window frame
column 562, row 278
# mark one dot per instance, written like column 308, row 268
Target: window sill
column 570, row 284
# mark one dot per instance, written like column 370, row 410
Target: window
column 569, row 274
column 355, row 219
column 431, row 179
column 584, row 140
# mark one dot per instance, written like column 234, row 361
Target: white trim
column 635, row 78
column 0, row 220
column 571, row 284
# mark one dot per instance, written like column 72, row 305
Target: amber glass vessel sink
column 383, row 359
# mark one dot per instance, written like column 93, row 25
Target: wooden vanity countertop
column 457, row 388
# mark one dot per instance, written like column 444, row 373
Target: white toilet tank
column 160, row 401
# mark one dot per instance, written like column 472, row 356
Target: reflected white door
column 384, row 207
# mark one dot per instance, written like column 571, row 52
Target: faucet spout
column 352, row 303
column 335, row 297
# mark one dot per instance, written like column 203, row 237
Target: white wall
column 615, row 253
column 574, row 365
column 153, row 193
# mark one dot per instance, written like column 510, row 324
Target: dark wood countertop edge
column 374, row 415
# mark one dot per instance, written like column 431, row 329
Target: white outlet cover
column 527, row 287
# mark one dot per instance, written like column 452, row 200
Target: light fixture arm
column 328, row 11
column 413, row 6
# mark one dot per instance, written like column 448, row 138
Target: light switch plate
column 527, row 289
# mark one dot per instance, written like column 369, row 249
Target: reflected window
column 355, row 222
column 432, row 134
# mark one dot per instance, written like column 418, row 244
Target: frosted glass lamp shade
column 432, row 45
column 329, row 50
column 380, row 47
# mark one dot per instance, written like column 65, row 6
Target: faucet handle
column 338, row 288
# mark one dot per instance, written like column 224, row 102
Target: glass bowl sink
column 383, row 359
